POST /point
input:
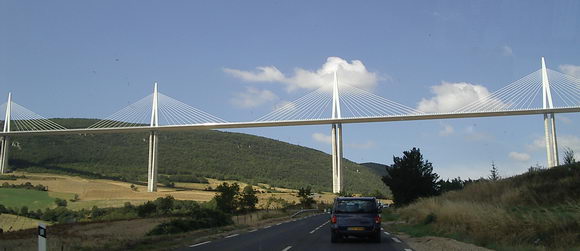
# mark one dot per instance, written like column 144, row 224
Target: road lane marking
column 279, row 224
column 199, row 244
column 396, row 240
column 267, row 227
column 253, row 231
column 318, row 227
column 387, row 233
column 408, row 249
column 287, row 248
column 233, row 235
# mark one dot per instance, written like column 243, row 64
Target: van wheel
column 377, row 237
column 334, row 237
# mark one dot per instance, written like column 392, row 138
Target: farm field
column 9, row 222
column 109, row 193
column 33, row 199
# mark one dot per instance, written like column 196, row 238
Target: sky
column 239, row 60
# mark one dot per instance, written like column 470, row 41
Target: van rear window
column 355, row 206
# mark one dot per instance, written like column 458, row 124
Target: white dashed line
column 233, row 235
column 253, row 231
column 408, row 249
column 287, row 248
column 267, row 227
column 199, row 244
column 278, row 224
column 318, row 227
column 396, row 240
column 387, row 233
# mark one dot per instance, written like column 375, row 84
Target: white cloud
column 322, row 138
column 354, row 74
column 507, row 51
column 447, row 130
column 253, row 97
column 452, row 96
column 519, row 156
column 570, row 141
column 572, row 70
column 264, row 74
column 366, row 145
column 472, row 134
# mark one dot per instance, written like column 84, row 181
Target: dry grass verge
column 533, row 211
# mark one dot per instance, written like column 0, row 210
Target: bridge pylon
column 337, row 168
column 549, row 120
column 153, row 145
column 5, row 140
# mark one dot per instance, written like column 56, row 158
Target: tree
column 305, row 196
column 164, row 205
column 226, row 197
column 410, row 177
column 60, row 202
column 450, row 185
column 494, row 176
column 24, row 211
column 248, row 199
column 569, row 156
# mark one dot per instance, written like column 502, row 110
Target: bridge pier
column 5, row 140
column 4, row 150
column 549, row 120
column 153, row 144
column 152, row 163
column 337, row 168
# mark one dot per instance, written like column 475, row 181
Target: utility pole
column 549, row 120
column 153, row 143
column 337, row 168
column 5, row 140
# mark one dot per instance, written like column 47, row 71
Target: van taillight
column 378, row 219
column 333, row 219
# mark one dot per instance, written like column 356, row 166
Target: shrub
column 60, row 202
column 198, row 219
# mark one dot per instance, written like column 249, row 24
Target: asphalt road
column 311, row 233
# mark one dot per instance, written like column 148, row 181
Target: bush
column 198, row 219
column 60, row 202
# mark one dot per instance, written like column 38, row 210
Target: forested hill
column 378, row 169
column 212, row 154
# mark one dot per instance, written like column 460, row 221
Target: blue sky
column 90, row 59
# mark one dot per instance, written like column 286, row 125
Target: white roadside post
column 41, row 237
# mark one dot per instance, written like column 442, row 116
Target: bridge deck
column 233, row 125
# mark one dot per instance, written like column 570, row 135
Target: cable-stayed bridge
column 544, row 92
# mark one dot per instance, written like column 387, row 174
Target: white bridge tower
column 549, row 120
column 337, row 168
column 153, row 143
column 5, row 140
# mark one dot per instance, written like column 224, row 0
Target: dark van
column 355, row 216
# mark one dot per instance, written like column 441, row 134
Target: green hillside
column 376, row 168
column 212, row 154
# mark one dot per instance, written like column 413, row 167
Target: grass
column 9, row 222
column 33, row 199
column 533, row 211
